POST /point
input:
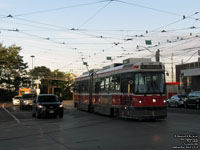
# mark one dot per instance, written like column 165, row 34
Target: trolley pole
column 172, row 67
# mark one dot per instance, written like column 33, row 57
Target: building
column 189, row 76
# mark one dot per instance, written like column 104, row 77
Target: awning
column 191, row 72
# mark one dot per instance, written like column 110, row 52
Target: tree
column 59, row 82
column 13, row 73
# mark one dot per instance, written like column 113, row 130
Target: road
column 80, row 130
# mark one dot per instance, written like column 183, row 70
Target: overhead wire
column 60, row 8
column 95, row 14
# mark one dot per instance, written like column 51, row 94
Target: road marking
column 18, row 121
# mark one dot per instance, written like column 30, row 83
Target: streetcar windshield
column 149, row 83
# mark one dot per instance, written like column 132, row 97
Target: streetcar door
column 90, row 107
column 126, row 89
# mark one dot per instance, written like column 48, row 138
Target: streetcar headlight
column 60, row 105
column 140, row 102
column 164, row 101
column 154, row 100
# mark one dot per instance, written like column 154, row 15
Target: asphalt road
column 80, row 130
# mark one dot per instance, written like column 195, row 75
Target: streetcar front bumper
column 144, row 112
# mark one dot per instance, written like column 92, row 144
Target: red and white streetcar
column 135, row 89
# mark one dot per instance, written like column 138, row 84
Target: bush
column 6, row 95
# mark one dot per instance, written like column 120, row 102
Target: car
column 27, row 100
column 193, row 100
column 16, row 100
column 176, row 100
column 47, row 105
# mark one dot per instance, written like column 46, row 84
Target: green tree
column 60, row 82
column 13, row 73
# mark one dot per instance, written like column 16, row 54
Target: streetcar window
column 149, row 83
column 97, row 87
column 102, row 84
column 107, row 84
column 76, row 87
column 112, row 84
column 117, row 83
column 84, row 86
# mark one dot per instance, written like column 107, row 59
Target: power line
column 145, row 7
column 95, row 14
column 191, row 57
column 60, row 8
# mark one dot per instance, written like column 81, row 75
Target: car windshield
column 47, row 99
column 150, row 83
column 197, row 94
column 182, row 96
column 29, row 96
column 17, row 97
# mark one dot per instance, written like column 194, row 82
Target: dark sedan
column 47, row 105
column 176, row 100
column 193, row 100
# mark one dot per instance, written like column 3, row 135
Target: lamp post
column 32, row 56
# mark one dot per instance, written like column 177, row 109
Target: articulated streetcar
column 135, row 89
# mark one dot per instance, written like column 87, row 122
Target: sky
column 62, row 34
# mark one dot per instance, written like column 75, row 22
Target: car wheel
column 37, row 114
column 33, row 114
column 185, row 105
column 176, row 105
column 61, row 115
column 197, row 105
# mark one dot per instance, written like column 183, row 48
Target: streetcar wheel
column 116, row 113
column 176, row 105
column 33, row 114
column 37, row 114
column 185, row 105
column 197, row 106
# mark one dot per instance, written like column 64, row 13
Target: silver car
column 27, row 101
column 176, row 100
column 16, row 100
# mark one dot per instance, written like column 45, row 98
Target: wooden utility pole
column 172, row 67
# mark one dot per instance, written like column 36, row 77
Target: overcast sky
column 61, row 34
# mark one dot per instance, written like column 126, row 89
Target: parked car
column 193, row 100
column 16, row 100
column 47, row 105
column 27, row 100
column 176, row 100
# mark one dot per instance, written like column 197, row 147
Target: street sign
column 85, row 63
column 37, row 82
column 148, row 42
column 108, row 58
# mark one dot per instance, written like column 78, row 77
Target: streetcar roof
column 124, row 68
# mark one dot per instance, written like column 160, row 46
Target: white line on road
column 18, row 121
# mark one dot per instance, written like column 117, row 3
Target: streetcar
column 135, row 89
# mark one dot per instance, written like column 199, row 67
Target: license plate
column 51, row 111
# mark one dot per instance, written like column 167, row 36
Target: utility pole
column 32, row 56
column 32, row 60
column 172, row 67
column 158, row 55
